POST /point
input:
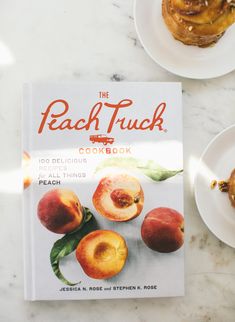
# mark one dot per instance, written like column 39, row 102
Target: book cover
column 103, row 190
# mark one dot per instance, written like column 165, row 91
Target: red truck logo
column 101, row 138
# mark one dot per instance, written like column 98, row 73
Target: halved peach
column 60, row 211
column 26, row 170
column 119, row 197
column 102, row 254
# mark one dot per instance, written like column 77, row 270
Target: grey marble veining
column 96, row 40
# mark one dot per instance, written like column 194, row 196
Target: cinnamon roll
column 198, row 22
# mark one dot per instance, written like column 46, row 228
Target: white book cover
column 103, row 190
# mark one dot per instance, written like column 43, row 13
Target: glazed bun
column 198, row 22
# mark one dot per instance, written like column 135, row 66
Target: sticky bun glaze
column 198, row 22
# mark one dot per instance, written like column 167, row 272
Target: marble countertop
column 77, row 40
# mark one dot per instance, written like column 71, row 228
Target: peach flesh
column 163, row 230
column 119, row 197
column 60, row 211
column 102, row 254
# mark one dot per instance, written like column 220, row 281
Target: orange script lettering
column 56, row 119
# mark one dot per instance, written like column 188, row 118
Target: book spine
column 27, row 231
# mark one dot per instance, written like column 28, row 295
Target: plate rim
column 185, row 75
column 212, row 141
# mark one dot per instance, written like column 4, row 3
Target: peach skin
column 163, row 230
column 119, row 197
column 60, row 211
column 102, row 254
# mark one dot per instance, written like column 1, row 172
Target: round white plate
column 217, row 162
column 186, row 61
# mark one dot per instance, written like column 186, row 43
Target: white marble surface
column 96, row 40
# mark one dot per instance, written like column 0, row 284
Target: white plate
column 217, row 162
column 186, row 61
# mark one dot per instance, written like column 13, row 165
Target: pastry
column 198, row 22
column 229, row 187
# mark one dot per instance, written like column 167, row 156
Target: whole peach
column 60, row 211
column 163, row 230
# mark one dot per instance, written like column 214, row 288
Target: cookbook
column 103, row 190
